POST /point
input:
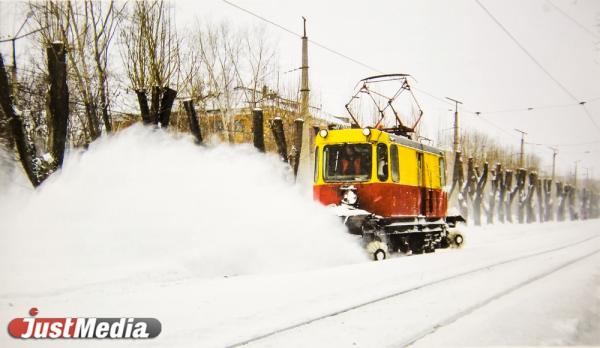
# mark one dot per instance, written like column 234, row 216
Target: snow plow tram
column 386, row 187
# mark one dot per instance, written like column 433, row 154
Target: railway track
column 455, row 316
column 451, row 319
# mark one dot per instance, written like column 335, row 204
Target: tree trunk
column 594, row 205
column 584, row 210
column 193, row 120
column 511, row 192
column 258, row 130
column 493, row 197
column 279, row 135
column 154, row 104
column 297, row 146
column 104, row 109
column 521, row 178
column 471, row 179
column 456, row 173
column 58, row 103
column 504, row 182
column 165, row 106
column 25, row 148
column 477, row 201
column 540, row 199
column 463, row 188
column 572, row 191
column 548, row 202
column 560, row 197
column 529, row 198
column 144, row 109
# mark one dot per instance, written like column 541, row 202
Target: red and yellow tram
column 387, row 188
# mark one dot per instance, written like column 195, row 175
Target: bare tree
column 87, row 28
column 38, row 168
column 220, row 52
column 481, row 180
column 152, row 56
column 252, row 71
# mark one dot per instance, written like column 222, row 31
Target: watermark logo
column 80, row 328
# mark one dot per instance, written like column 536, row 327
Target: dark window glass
column 347, row 162
column 382, row 162
column 394, row 163
column 219, row 125
column 442, row 172
column 238, row 126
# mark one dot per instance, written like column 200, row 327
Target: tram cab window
column 347, row 162
column 382, row 162
column 394, row 163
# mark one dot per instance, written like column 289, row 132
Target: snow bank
column 12, row 178
column 143, row 205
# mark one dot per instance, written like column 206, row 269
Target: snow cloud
column 143, row 205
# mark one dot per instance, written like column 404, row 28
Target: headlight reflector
column 350, row 197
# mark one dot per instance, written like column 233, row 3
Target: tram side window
column 347, row 162
column 395, row 163
column 382, row 162
column 442, row 172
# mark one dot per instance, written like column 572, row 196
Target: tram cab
column 391, row 176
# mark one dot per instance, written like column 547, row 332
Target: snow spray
column 143, row 204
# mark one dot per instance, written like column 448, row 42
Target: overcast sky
column 452, row 48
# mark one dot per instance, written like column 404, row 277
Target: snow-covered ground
column 510, row 285
column 94, row 243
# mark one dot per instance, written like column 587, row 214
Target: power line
column 587, row 112
column 442, row 100
column 300, row 36
column 558, row 83
column 583, row 27
column 526, row 51
column 421, row 90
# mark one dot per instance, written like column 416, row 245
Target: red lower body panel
column 389, row 200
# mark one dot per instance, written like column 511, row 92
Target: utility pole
column 522, row 154
column 554, row 153
column 13, row 41
column 456, row 125
column 304, row 91
column 575, row 179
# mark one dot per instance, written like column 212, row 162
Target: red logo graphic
column 37, row 328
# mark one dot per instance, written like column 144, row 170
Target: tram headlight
column 350, row 197
column 366, row 132
column 323, row 133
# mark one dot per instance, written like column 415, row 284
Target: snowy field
column 224, row 259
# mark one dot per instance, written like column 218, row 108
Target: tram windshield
column 347, row 162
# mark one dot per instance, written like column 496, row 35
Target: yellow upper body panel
column 428, row 175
